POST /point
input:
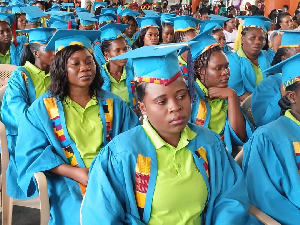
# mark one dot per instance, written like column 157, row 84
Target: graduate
column 65, row 128
column 104, row 19
column 98, row 6
column 271, row 156
column 166, row 34
column 26, row 84
column 86, row 22
column 184, row 30
column 247, row 65
column 117, row 74
column 10, row 52
column 152, row 180
column 265, row 98
column 217, row 106
column 128, row 16
column 34, row 17
column 149, row 31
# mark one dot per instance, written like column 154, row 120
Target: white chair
column 7, row 202
column 260, row 215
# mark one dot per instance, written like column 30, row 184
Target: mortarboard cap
column 108, row 18
column 289, row 69
column 109, row 11
column 150, row 13
column 144, row 22
column 184, row 23
column 58, row 24
column 87, row 20
column 79, row 9
column 290, row 38
column 64, row 38
column 255, row 21
column 7, row 17
column 33, row 13
column 16, row 8
column 40, row 35
column 67, row 6
column 112, row 31
column 128, row 12
column 99, row 4
column 215, row 23
column 3, row 9
column 167, row 18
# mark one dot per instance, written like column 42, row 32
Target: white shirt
column 230, row 37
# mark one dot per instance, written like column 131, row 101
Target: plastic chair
column 7, row 202
column 5, row 72
column 258, row 214
column 246, row 108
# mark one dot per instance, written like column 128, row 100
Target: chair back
column 246, row 108
column 5, row 72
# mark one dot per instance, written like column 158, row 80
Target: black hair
column 284, row 102
column 139, row 42
column 228, row 16
column 277, row 57
column 204, row 10
column 256, row 11
column 179, row 35
column 27, row 54
column 140, row 91
column 105, row 45
column 58, row 73
column 216, row 31
column 98, row 11
column 202, row 60
column 286, row 6
column 279, row 19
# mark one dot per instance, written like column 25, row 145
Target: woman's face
column 231, row 24
column 151, row 37
column 21, row 23
column 217, row 72
column 253, row 41
column 5, row 33
column 117, row 47
column 294, row 97
column 81, row 69
column 44, row 56
column 167, row 34
column 204, row 16
column 189, row 35
column 220, row 37
column 131, row 30
column 168, row 107
column 287, row 23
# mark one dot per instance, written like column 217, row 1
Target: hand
column 81, row 175
column 223, row 93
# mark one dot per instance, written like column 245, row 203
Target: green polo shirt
column 218, row 111
column 181, row 61
column 84, row 127
column 180, row 192
column 289, row 115
column 5, row 59
column 40, row 79
column 118, row 88
column 257, row 70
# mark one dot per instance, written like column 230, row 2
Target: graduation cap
column 40, row 35
column 112, row 31
column 184, row 23
column 58, row 24
column 55, row 7
column 99, row 4
column 61, row 15
column 144, row 22
column 150, row 13
column 3, row 9
column 289, row 69
column 255, row 21
column 87, row 20
column 290, row 38
column 33, row 14
column 79, row 9
column 108, row 18
column 16, row 8
column 7, row 17
column 128, row 12
column 215, row 23
column 167, row 18
column 109, row 11
column 155, row 64
column 64, row 38
column 67, row 6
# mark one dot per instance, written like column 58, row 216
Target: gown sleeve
column 236, row 79
column 106, row 199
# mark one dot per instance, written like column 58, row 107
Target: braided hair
column 284, row 102
column 202, row 61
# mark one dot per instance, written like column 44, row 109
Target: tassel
column 69, row 25
column 14, row 32
column 118, row 19
column 191, row 78
column 96, row 26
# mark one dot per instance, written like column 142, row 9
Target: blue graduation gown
column 110, row 196
column 15, row 53
column 39, row 149
column 19, row 95
column 270, row 168
column 227, row 135
column 130, row 83
column 242, row 77
column 264, row 100
column 98, row 53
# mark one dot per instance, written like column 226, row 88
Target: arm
column 244, row 96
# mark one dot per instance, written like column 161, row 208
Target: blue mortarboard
column 85, row 14
column 289, row 69
column 15, row 8
column 255, row 21
column 7, row 17
column 203, row 42
column 290, row 38
column 167, row 18
column 112, row 31
column 79, row 9
column 128, row 12
column 119, row 9
column 58, row 24
column 144, row 22
column 215, row 23
column 5, row 1
column 86, row 20
column 55, row 7
column 173, row 13
column 184, row 23
column 33, row 13
column 60, row 18
column 108, row 18
column 3, row 9
column 61, row 15
column 155, row 64
column 99, row 4
column 40, row 35
column 109, row 11
column 64, row 38
column 67, row 6
column 150, row 13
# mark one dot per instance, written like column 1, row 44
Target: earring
column 145, row 117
